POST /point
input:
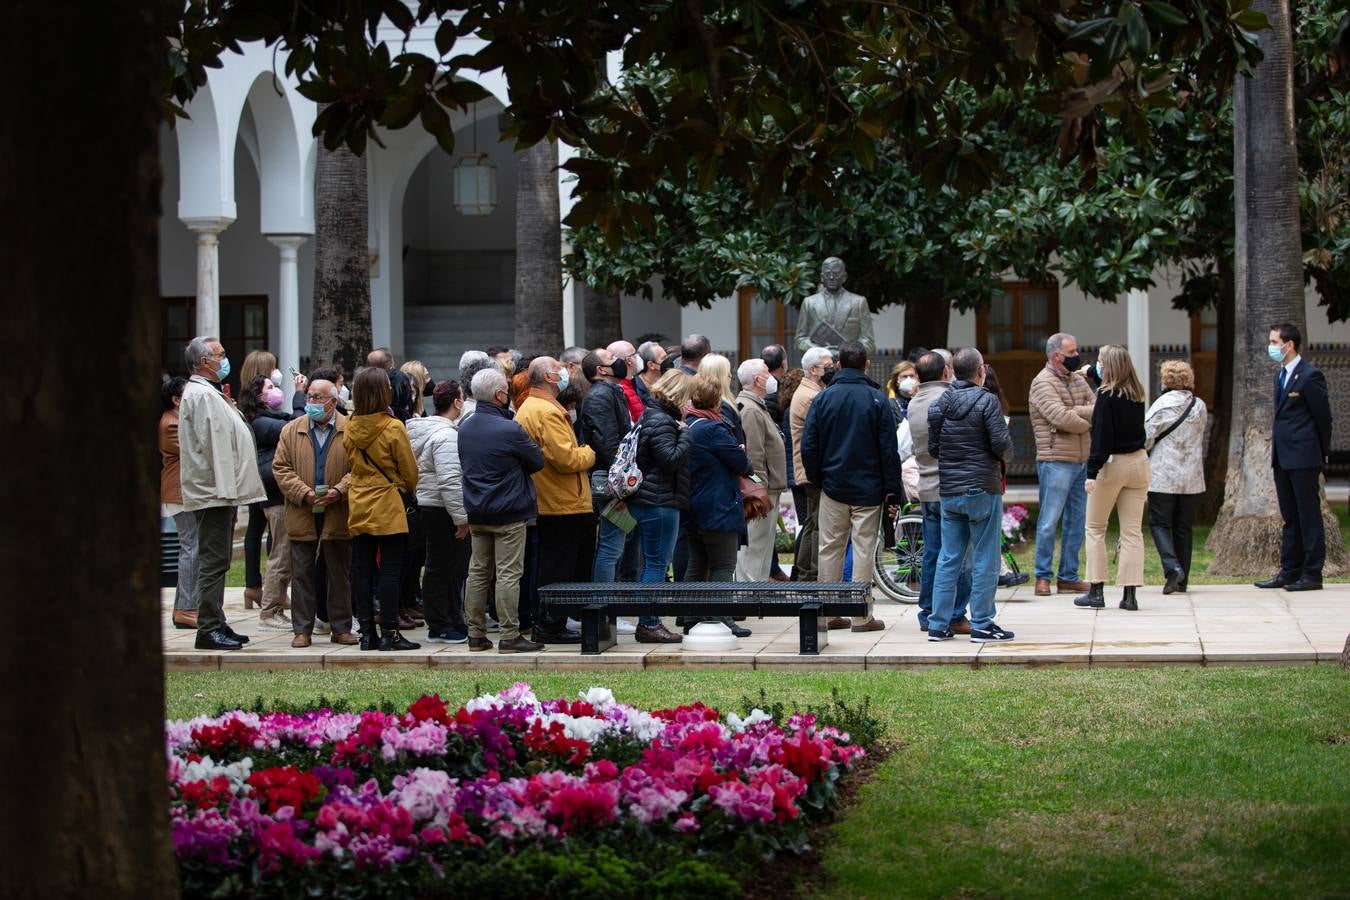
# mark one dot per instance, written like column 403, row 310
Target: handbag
column 1173, row 427
column 409, row 501
column 754, row 497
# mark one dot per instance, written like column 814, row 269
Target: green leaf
column 1251, row 20
column 1165, row 13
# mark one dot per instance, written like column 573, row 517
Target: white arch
column 285, row 175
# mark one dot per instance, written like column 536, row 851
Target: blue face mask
column 1276, row 353
column 316, row 411
column 224, row 371
column 1098, row 367
column 564, row 377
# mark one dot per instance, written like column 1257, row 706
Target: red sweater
column 635, row 404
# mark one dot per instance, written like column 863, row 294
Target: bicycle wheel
column 898, row 565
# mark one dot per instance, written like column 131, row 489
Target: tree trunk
column 604, row 317
column 926, row 320
column 1269, row 290
column 82, row 719
column 1221, row 414
column 539, row 320
column 341, row 261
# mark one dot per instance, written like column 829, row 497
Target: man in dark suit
column 1299, row 447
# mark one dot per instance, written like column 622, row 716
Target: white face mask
column 907, row 386
column 344, row 395
column 771, row 386
column 572, row 414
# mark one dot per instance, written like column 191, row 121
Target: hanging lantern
column 475, row 181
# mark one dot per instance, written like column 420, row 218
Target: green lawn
column 1010, row 782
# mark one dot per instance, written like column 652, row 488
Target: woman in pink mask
column 261, row 402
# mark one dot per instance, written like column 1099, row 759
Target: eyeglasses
column 315, row 398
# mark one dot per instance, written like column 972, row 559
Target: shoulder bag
column 409, row 501
column 1173, row 427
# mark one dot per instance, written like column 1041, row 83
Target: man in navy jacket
column 496, row 460
column 849, row 450
column 1300, row 443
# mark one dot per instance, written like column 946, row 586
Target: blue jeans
column 932, row 548
column 971, row 523
column 1063, row 496
column 608, row 549
column 658, row 526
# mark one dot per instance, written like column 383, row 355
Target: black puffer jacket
column 663, row 457
column 266, row 434
column 969, row 439
column 604, row 420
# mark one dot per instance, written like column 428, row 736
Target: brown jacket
column 763, row 443
column 563, row 485
column 1061, row 416
column 170, row 488
column 801, row 404
column 293, row 468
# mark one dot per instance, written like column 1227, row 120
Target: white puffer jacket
column 435, row 443
column 1178, row 461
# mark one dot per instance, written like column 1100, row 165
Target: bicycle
column 899, row 560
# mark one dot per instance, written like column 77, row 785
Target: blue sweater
column 714, row 464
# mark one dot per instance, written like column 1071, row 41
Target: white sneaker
column 623, row 626
column 322, row 627
column 275, row 622
column 573, row 624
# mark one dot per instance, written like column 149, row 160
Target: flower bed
column 360, row 804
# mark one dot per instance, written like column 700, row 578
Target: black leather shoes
column 1174, row 580
column 1305, row 584
column 241, row 638
column 1278, row 581
column 555, row 636
column 217, row 639
column 1094, row 598
column 1128, row 600
column 392, row 640
column 370, row 638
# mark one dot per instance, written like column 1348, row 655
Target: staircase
column 438, row 335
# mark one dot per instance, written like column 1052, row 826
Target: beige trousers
column 1122, row 484
column 278, row 576
column 838, row 523
column 497, row 550
column 755, row 559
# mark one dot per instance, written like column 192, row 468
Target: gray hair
column 332, row 388
column 472, row 362
column 198, row 349
column 572, row 356
column 966, row 363
column 647, row 350
column 813, row 357
column 1056, row 341
column 945, row 354
column 748, row 370
column 487, row 383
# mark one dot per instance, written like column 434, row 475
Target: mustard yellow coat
column 374, row 504
column 563, row 486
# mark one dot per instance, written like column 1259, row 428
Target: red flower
column 285, row 786
column 555, row 742
column 203, row 793
column 692, row 712
column 233, row 732
column 430, row 708
column 801, row 756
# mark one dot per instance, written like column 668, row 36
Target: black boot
column 392, row 640
column 370, row 638
column 1127, row 600
column 739, row 631
column 1093, row 599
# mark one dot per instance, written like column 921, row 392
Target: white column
column 1136, row 331
column 208, row 271
column 288, row 301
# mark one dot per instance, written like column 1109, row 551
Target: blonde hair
column 1177, row 375
column 417, row 375
column 717, row 367
column 259, row 362
column 1118, row 376
column 673, row 387
column 898, row 372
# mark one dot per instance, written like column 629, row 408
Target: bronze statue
column 833, row 316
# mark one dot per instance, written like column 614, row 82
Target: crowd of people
column 405, row 502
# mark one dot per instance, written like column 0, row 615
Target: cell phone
column 293, row 372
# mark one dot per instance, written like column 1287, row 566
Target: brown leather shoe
column 656, row 634
column 839, row 622
column 405, row 622
column 1042, row 587
column 252, row 597
column 185, row 619
column 480, row 643
column 347, row 638
column 874, row 625
column 300, row 641
column 960, row 626
column 1072, row 587
column 519, row 644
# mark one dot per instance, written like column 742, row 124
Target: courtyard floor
column 1212, row 625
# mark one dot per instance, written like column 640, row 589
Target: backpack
column 624, row 475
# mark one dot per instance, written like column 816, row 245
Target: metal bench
column 597, row 604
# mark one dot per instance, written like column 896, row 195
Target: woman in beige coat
column 383, row 469
column 1175, row 426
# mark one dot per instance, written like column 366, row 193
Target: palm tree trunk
column 539, row 320
column 1269, row 290
column 1221, row 414
column 604, row 317
column 82, row 718
column 341, row 261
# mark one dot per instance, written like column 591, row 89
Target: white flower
column 601, row 698
column 756, row 716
